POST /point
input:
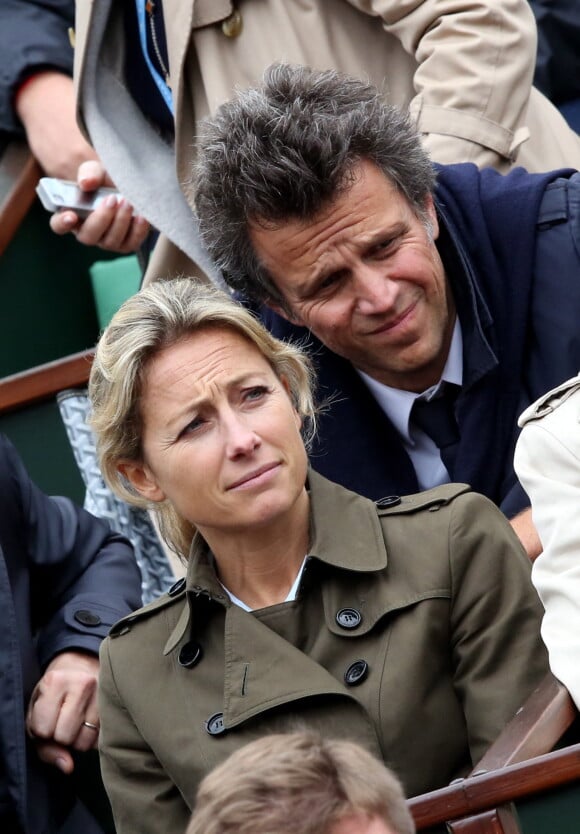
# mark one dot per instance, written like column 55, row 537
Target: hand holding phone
column 57, row 195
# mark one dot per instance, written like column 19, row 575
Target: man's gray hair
column 285, row 149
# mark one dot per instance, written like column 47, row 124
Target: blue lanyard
column 159, row 81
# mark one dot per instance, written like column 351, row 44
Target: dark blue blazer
column 65, row 578
column 510, row 246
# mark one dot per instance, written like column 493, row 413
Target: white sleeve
column 547, row 461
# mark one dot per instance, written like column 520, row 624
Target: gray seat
column 156, row 572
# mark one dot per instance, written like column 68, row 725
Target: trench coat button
column 388, row 501
column 177, row 587
column 87, row 618
column 233, row 25
column 349, row 618
column 190, row 654
column 215, row 724
column 356, row 673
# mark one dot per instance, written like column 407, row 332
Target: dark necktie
column 436, row 418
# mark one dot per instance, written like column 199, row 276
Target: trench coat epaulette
column 549, row 402
column 175, row 593
column 430, row 500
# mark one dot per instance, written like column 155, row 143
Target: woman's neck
column 259, row 566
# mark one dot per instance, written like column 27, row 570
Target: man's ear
column 286, row 313
column 141, row 479
column 431, row 212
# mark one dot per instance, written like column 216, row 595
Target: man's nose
column 375, row 293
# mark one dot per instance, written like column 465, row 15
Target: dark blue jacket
column 33, row 37
column 511, row 250
column 558, row 60
column 56, row 560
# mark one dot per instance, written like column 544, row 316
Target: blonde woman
column 409, row 626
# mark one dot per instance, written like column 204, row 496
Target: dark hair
column 286, row 148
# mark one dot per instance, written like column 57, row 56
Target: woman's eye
column 257, row 392
column 192, row 426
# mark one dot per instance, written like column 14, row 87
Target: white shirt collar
column 292, row 593
column 397, row 404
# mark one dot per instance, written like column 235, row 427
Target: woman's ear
column 141, row 479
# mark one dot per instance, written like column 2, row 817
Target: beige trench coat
column 464, row 68
column 444, row 614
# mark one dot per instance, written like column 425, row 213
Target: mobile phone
column 56, row 195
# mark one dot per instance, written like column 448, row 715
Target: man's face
column 366, row 277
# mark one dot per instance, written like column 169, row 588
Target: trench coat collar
column 354, row 544
column 345, row 531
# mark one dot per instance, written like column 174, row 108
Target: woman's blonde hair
column 158, row 316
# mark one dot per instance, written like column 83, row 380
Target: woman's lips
column 256, row 477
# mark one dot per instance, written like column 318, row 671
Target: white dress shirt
column 397, row 405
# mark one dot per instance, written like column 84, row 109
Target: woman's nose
column 241, row 439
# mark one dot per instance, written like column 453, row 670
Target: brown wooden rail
column 535, row 729
column 19, row 174
column 45, row 381
column 478, row 805
column 480, row 793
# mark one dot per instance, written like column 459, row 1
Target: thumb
column 56, row 755
column 92, row 175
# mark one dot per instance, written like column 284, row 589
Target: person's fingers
column 113, row 226
column 114, row 236
column 96, row 229
column 64, row 222
column 92, row 175
column 135, row 236
column 59, row 705
column 88, row 735
column 56, row 755
column 43, row 711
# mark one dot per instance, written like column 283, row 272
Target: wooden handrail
column 19, row 174
column 488, row 790
column 535, row 729
column 45, row 381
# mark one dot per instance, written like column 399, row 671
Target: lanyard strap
column 160, row 82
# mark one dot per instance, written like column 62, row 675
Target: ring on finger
column 94, row 727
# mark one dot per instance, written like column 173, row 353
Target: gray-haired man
column 316, row 199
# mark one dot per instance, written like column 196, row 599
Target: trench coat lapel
column 261, row 670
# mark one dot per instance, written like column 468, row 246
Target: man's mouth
column 393, row 323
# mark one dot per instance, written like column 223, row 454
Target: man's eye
column 329, row 281
column 383, row 246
